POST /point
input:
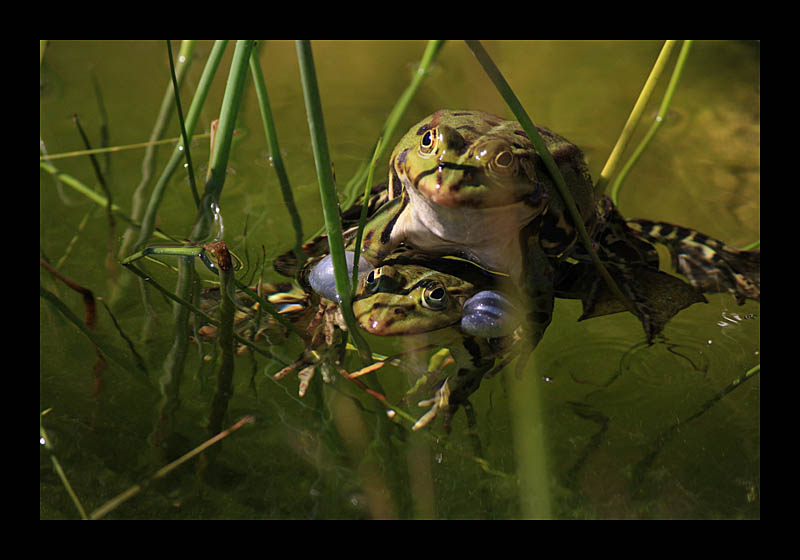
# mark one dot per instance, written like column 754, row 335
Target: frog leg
column 325, row 350
column 474, row 357
column 656, row 296
column 616, row 242
column 709, row 264
column 440, row 401
column 598, row 300
column 454, row 392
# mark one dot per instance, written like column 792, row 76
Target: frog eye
column 427, row 144
column 371, row 281
column 435, row 297
column 382, row 279
column 503, row 163
column 504, row 159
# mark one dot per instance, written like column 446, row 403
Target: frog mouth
column 467, row 179
column 450, row 186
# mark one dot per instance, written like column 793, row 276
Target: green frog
column 449, row 302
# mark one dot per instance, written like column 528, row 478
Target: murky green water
column 632, row 431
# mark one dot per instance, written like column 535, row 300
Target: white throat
column 487, row 235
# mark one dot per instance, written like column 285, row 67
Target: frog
column 469, row 182
column 449, row 302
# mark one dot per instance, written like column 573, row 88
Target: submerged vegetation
column 344, row 427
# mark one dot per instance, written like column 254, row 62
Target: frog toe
column 439, row 402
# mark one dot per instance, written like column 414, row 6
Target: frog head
column 466, row 159
column 417, row 294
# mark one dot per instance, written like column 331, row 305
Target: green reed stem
column 327, row 189
column 633, row 119
column 522, row 116
column 231, row 102
column 101, row 180
column 659, row 120
column 176, row 357
column 190, row 251
column 192, row 116
column 138, row 200
column 186, row 146
column 530, row 445
column 275, row 156
column 113, row 149
column 224, row 391
column 362, row 220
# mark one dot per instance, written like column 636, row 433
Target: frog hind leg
column 709, row 264
column 451, row 395
column 655, row 295
column 474, row 357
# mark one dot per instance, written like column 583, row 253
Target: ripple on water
column 609, row 370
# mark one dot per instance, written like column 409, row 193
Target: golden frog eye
column 435, row 297
column 371, row 281
column 427, row 144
